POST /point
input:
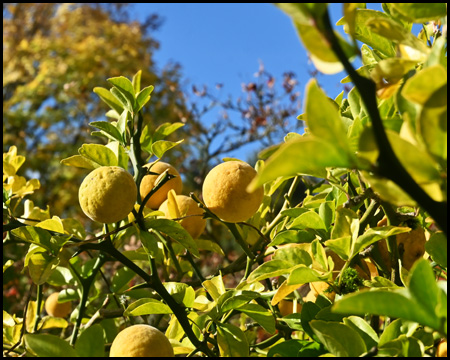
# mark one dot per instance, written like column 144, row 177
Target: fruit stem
column 86, row 284
column 155, row 283
column 38, row 307
column 166, row 177
column 237, row 235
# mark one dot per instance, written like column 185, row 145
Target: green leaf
column 437, row 248
column 121, row 279
column 175, row 231
column 136, row 81
column 143, row 97
column 394, row 31
column 403, row 346
column 215, row 287
column 421, row 12
column 91, row 343
column 302, row 275
column 41, row 237
column 164, row 130
column 270, row 269
column 309, row 312
column 122, row 122
column 432, row 127
column 126, row 88
column 308, row 220
column 294, row 255
column 341, row 340
column 147, row 306
column 364, row 330
column 120, row 153
column 346, row 224
column 46, row 345
column 364, row 34
column 318, row 254
column 232, row 341
column 80, row 161
column 292, row 237
column 341, row 246
column 209, row 245
column 422, row 277
column 150, row 243
column 99, row 154
column 395, row 304
column 109, row 99
column 305, row 21
column 125, row 103
column 307, row 155
column 234, row 299
column 182, row 293
column 160, row 147
column 424, row 84
column 372, row 235
column 296, row 348
column 323, row 119
column 109, row 129
column 419, row 164
column 327, row 213
column 261, row 315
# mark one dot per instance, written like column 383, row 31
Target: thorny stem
column 155, row 283
column 85, row 287
column 388, row 165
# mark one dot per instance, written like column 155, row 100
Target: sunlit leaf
column 109, row 99
column 100, row 154
column 232, row 341
column 147, row 306
column 421, row 12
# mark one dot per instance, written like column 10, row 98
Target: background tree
column 53, row 56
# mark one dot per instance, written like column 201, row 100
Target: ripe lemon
column 141, row 341
column 194, row 225
column 107, row 194
column 225, row 194
column 149, row 181
column 55, row 308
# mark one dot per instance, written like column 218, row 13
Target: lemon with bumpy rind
column 193, row 222
column 107, row 194
column 141, row 341
column 149, row 181
column 55, row 308
column 224, row 191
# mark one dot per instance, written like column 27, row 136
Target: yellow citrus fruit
column 107, row 194
column 194, row 223
column 411, row 246
column 141, row 341
column 149, row 181
column 225, row 194
column 55, row 308
column 441, row 350
column 286, row 307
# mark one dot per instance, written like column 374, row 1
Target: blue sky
column 223, row 43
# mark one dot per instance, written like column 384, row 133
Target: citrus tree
column 357, row 268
